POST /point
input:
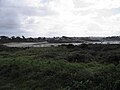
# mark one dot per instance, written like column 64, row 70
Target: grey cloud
column 45, row 1
column 12, row 12
column 9, row 18
column 116, row 10
column 81, row 4
column 26, row 10
column 12, row 32
column 36, row 11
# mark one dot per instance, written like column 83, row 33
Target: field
column 65, row 67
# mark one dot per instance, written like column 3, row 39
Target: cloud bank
column 60, row 17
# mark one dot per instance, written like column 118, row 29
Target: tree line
column 6, row 39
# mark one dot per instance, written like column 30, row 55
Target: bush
column 110, row 57
column 117, row 85
column 80, row 57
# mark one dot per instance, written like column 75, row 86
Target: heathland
column 64, row 67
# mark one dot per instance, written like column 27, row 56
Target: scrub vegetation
column 65, row 67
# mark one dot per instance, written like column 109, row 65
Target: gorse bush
column 80, row 57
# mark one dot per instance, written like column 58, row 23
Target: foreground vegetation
column 66, row 67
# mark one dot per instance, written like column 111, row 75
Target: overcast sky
column 60, row 17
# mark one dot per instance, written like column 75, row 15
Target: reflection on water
column 40, row 44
